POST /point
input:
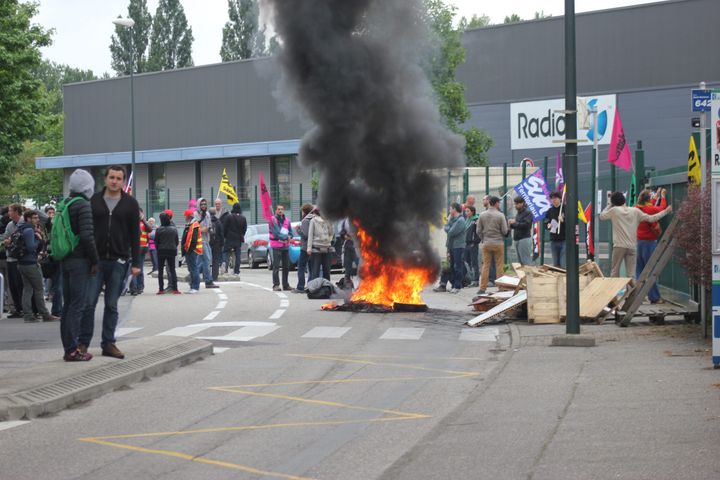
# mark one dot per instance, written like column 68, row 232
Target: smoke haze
column 355, row 68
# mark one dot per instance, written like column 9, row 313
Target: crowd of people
column 476, row 241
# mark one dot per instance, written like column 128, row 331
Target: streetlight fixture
column 130, row 23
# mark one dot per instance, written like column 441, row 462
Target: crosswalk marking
column 122, row 331
column 245, row 334
column 480, row 334
column 211, row 315
column 277, row 314
column 12, row 424
column 217, row 350
column 222, row 296
column 402, row 334
column 327, row 332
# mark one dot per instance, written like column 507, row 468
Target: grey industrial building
column 192, row 123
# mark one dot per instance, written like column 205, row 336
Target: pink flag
column 265, row 199
column 619, row 154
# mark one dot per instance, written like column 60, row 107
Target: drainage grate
column 56, row 396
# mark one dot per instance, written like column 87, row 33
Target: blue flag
column 534, row 191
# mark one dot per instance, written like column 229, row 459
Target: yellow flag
column 581, row 213
column 693, row 163
column 227, row 188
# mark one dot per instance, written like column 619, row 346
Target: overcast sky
column 83, row 27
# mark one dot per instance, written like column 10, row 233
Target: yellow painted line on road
column 395, row 415
column 192, row 458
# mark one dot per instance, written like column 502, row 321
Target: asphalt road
column 292, row 392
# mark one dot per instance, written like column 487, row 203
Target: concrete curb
column 54, row 386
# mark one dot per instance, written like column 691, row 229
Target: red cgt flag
column 619, row 153
column 265, row 199
column 589, row 243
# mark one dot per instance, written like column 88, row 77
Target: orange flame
column 386, row 281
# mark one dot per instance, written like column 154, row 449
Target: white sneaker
column 191, row 291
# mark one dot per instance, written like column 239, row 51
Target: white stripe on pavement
column 245, row 334
column 12, row 424
column 222, row 296
column 221, row 305
column 284, row 303
column 326, row 332
column 217, row 350
column 280, row 294
column 122, row 331
column 211, row 315
column 480, row 334
column 402, row 334
column 218, row 291
column 278, row 313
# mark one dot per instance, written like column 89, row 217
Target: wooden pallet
column 509, row 304
column 599, row 293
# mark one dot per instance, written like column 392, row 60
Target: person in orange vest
column 137, row 284
column 192, row 248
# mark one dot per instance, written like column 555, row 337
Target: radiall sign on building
column 537, row 124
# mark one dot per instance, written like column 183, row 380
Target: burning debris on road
column 356, row 69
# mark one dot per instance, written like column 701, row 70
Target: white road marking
column 221, row 305
column 245, row 334
column 327, row 332
column 284, row 303
column 280, row 294
column 278, row 313
column 211, row 315
column 217, row 350
column 250, row 285
column 480, row 334
column 402, row 334
column 12, row 424
column 218, row 291
column 222, row 296
column 122, row 331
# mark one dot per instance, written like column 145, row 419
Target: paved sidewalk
column 642, row 404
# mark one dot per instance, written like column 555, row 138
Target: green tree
column 20, row 93
column 449, row 92
column 171, row 38
column 135, row 39
column 242, row 37
column 477, row 21
column 53, row 76
column 541, row 14
column 514, row 18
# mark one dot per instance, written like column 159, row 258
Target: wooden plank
column 542, row 297
column 598, row 294
column 507, row 282
column 519, row 270
column 506, row 306
column 583, row 281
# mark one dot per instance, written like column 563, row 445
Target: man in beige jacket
column 625, row 221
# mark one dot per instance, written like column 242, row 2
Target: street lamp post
column 129, row 23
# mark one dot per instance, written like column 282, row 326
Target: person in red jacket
column 647, row 236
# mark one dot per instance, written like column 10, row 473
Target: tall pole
column 703, row 179
column 595, row 198
column 572, row 322
column 132, row 110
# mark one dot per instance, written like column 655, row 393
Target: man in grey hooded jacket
column 79, row 266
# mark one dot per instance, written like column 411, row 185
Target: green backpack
column 62, row 238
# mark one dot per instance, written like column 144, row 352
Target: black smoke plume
column 355, row 67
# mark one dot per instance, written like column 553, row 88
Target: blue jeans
column 456, row 255
column 227, row 251
column 192, row 259
column 205, row 262
column 77, row 279
column 137, row 284
column 645, row 249
column 111, row 275
column 557, row 247
column 57, row 292
column 301, row 267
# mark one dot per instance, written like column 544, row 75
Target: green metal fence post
column 504, row 207
column 256, row 204
column 466, row 183
column 212, row 193
column 148, row 213
column 301, row 203
column 487, row 179
column 189, row 194
column 639, row 168
column 167, row 198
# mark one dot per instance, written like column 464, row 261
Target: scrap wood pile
column 544, row 290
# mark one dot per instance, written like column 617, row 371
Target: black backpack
column 17, row 248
